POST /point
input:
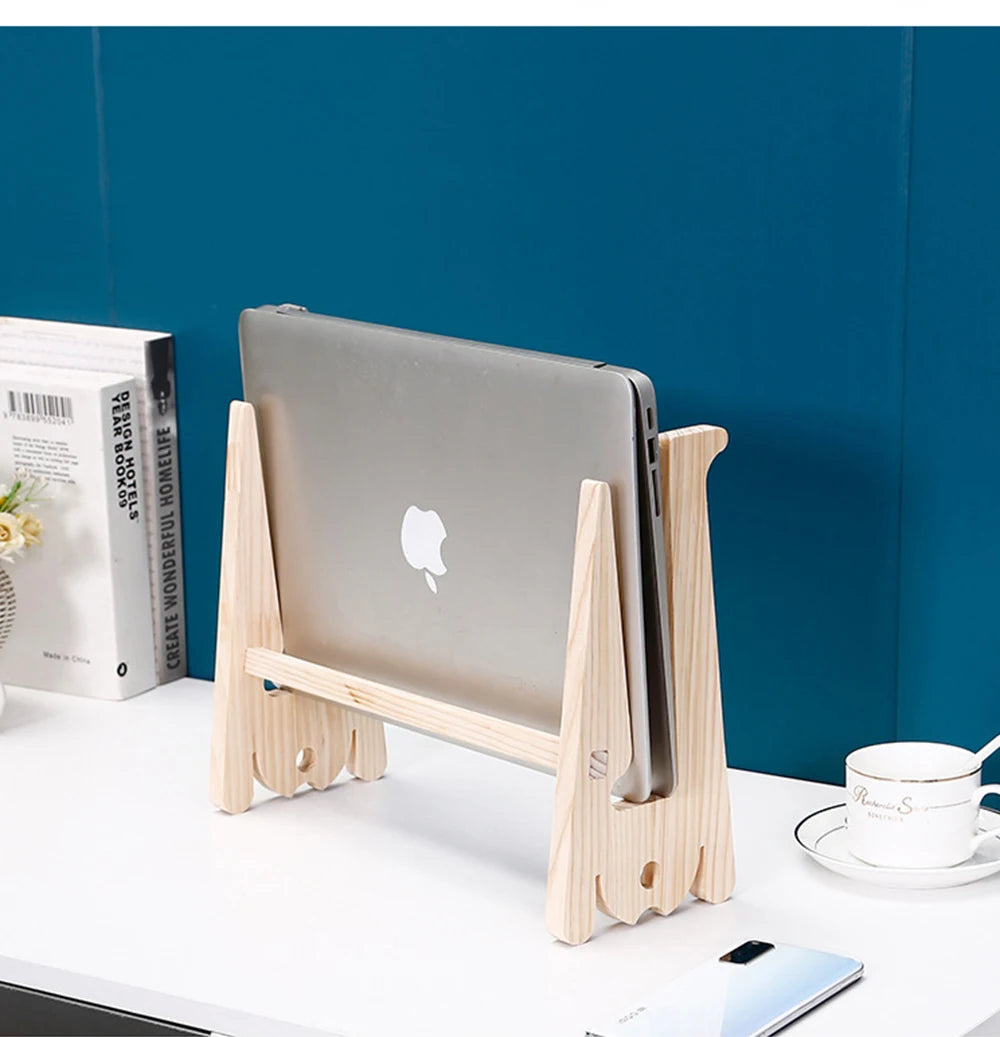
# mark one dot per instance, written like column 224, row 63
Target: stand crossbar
column 477, row 730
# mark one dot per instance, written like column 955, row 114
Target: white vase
column 8, row 610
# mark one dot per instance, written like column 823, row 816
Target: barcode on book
column 40, row 406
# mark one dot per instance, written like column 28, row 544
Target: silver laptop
column 423, row 492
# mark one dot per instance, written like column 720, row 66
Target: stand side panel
column 686, row 456
column 633, row 857
column 248, row 615
column 283, row 739
column 595, row 740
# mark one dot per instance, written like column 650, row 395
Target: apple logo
column 422, row 534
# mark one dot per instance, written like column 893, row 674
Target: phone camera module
column 747, row 952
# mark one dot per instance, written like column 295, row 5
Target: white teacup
column 914, row 804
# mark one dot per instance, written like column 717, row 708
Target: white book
column 83, row 621
column 149, row 357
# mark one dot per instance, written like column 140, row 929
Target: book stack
column 100, row 601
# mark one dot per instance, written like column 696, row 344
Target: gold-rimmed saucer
column 823, row 835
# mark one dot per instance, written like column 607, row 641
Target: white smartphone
column 751, row 991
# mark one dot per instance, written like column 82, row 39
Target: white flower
column 11, row 538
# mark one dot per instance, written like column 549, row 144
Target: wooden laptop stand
column 623, row 857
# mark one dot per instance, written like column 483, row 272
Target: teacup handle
column 981, row 793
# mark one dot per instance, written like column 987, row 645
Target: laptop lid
column 422, row 494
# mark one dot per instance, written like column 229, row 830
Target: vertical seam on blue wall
column 104, row 173
column 909, row 53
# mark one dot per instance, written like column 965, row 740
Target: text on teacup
column 904, row 807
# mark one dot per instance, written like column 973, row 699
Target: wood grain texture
column 284, row 740
column 479, row 730
column 627, row 858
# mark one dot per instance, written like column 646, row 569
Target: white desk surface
column 412, row 906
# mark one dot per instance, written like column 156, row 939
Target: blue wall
column 949, row 661
column 739, row 213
